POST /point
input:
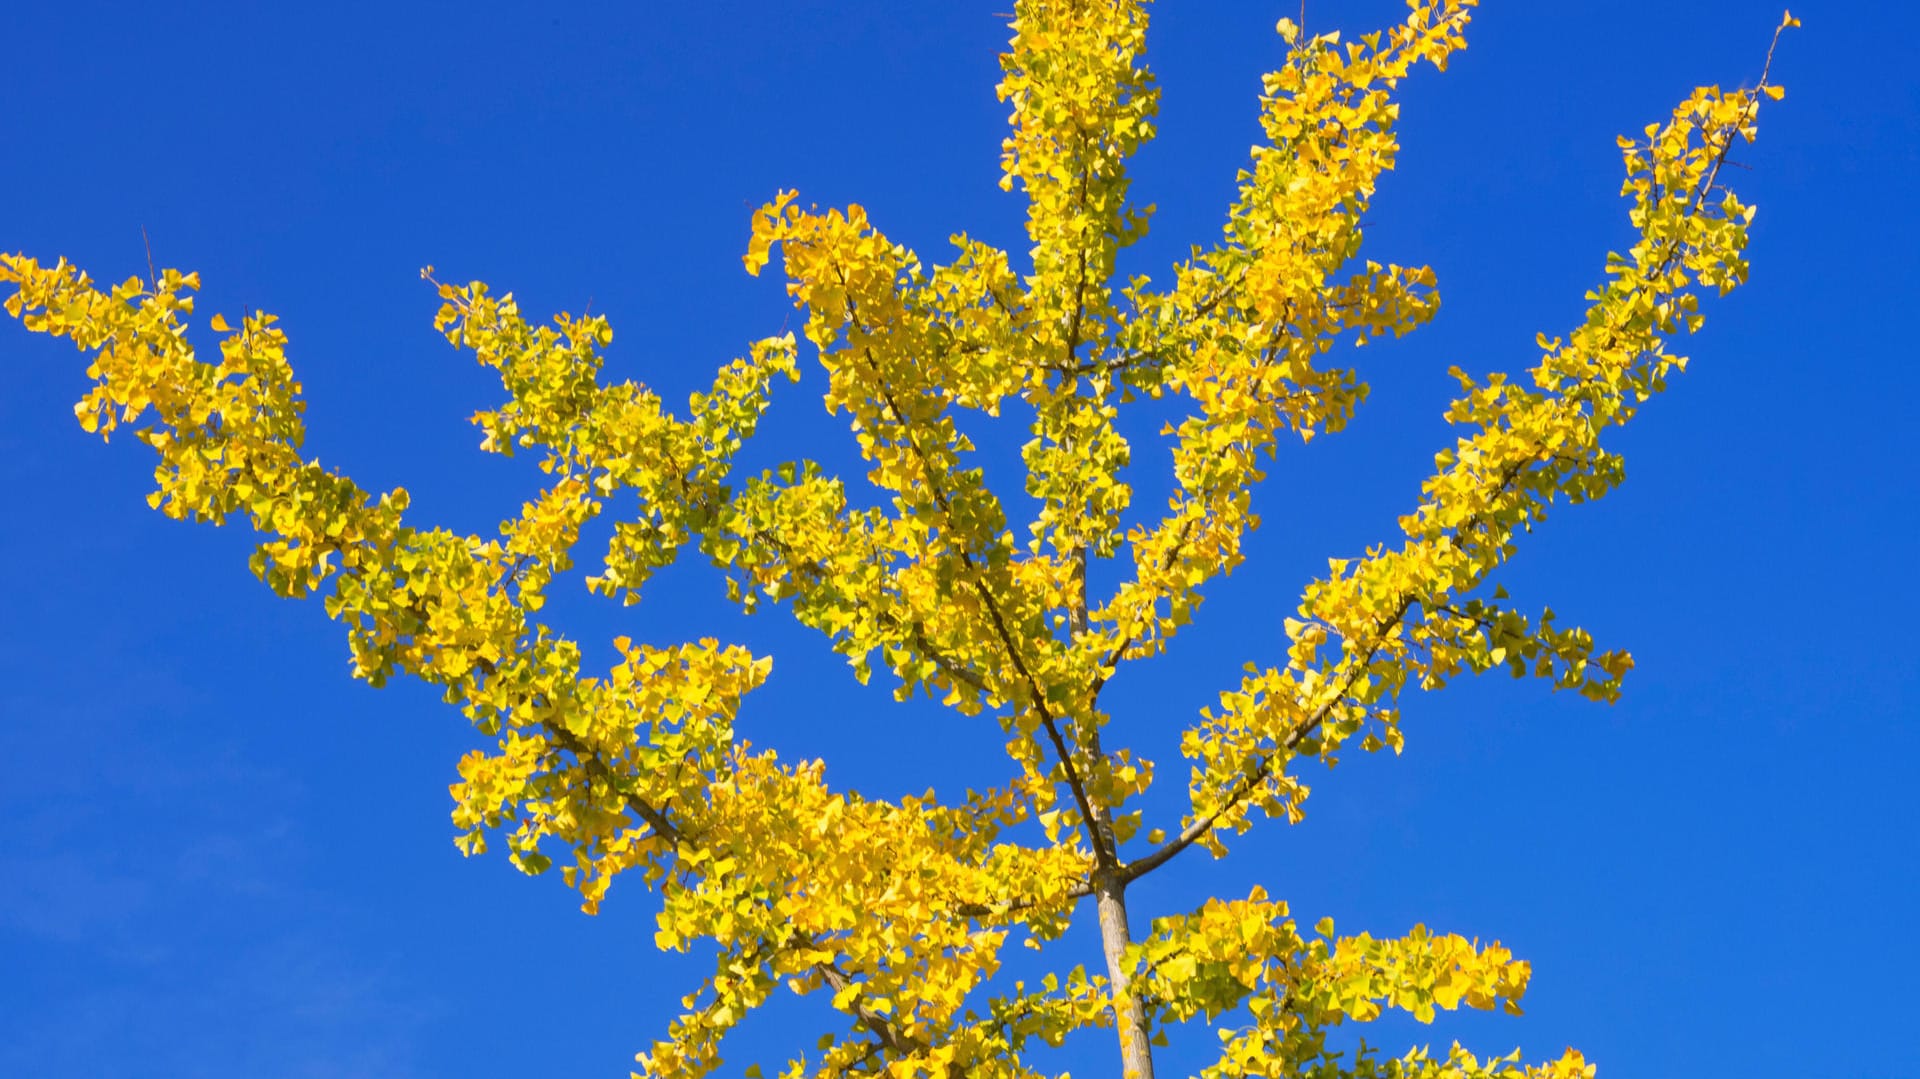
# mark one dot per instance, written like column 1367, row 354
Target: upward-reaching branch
column 1531, row 447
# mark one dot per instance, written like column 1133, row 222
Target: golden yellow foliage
column 899, row 910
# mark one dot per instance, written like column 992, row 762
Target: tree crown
column 900, row 909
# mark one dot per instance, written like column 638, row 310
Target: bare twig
column 152, row 274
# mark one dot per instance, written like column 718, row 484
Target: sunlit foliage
column 899, row 910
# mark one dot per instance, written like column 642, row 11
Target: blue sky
column 223, row 858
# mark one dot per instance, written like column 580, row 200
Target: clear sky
column 221, row 857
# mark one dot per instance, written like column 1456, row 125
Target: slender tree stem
column 1129, row 1014
column 1110, row 891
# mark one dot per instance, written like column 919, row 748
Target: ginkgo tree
column 899, row 911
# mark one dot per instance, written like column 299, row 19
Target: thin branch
column 1106, row 858
column 1129, row 360
column 1186, row 527
column 1249, row 781
column 653, row 815
column 1080, row 890
column 152, row 274
column 876, row 1023
column 1080, row 272
column 1767, row 67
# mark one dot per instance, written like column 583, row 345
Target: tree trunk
column 1129, row 1015
column 1109, row 889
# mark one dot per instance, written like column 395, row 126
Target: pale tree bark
column 1110, row 896
column 1129, row 1014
